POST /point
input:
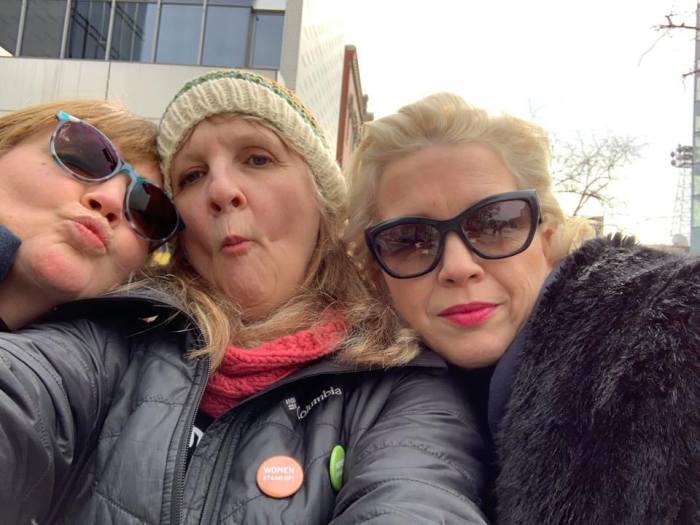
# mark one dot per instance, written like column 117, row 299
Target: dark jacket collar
column 426, row 359
column 9, row 244
column 601, row 422
column 504, row 372
column 137, row 302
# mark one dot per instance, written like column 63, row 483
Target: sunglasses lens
column 151, row 211
column 84, row 151
column 408, row 249
column 499, row 229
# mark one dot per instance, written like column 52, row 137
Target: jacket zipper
column 180, row 462
column 227, row 444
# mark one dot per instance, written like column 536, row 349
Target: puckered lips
column 235, row 245
column 90, row 234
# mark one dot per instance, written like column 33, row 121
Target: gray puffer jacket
column 97, row 408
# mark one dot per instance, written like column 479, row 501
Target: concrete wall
column 271, row 5
column 313, row 46
column 146, row 89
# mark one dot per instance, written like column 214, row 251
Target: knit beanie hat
column 242, row 92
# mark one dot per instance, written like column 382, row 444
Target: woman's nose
column 459, row 264
column 106, row 198
column 225, row 192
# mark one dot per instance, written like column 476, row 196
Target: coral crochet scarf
column 244, row 372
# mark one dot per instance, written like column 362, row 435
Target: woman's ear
column 548, row 240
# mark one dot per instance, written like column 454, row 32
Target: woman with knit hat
column 264, row 386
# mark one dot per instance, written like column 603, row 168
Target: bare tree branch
column 587, row 167
column 670, row 24
column 669, row 27
column 651, row 48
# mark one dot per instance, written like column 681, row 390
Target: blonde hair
column 444, row 119
column 332, row 283
column 134, row 136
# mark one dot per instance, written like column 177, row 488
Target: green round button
column 335, row 467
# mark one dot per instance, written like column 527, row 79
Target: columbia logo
column 301, row 413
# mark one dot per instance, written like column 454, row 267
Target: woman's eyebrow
column 268, row 138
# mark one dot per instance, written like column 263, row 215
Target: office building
column 142, row 51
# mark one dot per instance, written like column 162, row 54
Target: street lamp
column 682, row 157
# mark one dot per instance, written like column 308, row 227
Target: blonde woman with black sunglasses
column 591, row 350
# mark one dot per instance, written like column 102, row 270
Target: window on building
column 226, row 36
column 164, row 31
column 267, row 39
column 133, row 35
column 9, row 25
column 43, row 28
column 178, row 33
column 88, row 28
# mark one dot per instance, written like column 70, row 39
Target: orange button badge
column 279, row 476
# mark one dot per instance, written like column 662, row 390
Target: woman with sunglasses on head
column 592, row 354
column 75, row 220
column 269, row 389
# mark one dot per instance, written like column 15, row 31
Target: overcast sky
column 595, row 67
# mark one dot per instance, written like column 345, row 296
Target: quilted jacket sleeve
column 56, row 381
column 418, row 462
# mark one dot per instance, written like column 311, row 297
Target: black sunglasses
column 496, row 227
column 89, row 156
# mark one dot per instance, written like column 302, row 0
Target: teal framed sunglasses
column 84, row 152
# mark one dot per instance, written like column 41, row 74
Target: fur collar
column 603, row 423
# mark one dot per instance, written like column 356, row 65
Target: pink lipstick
column 471, row 314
